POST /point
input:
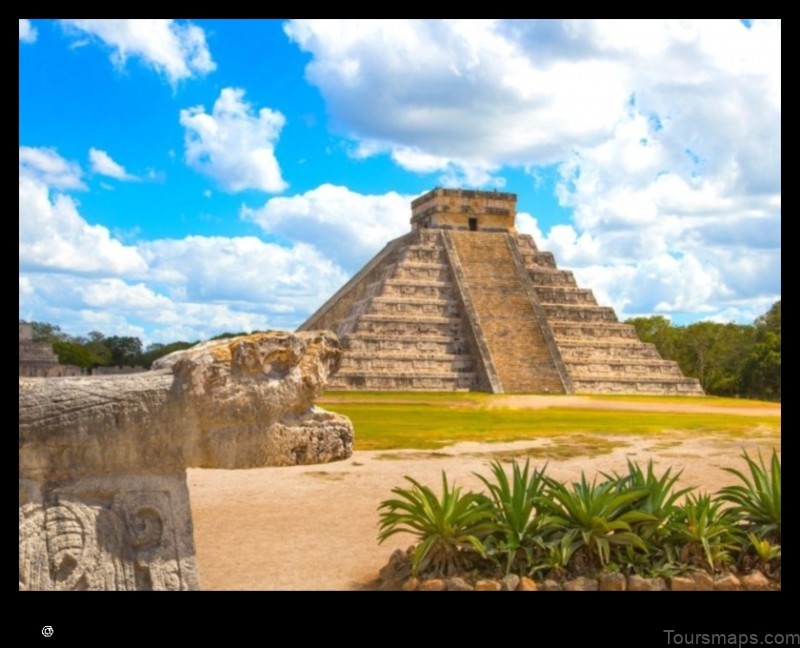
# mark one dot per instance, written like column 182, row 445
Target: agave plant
column 449, row 528
column 702, row 526
column 660, row 501
column 601, row 513
column 557, row 553
column 514, row 512
column 758, row 499
column 765, row 550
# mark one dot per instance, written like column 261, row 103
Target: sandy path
column 314, row 527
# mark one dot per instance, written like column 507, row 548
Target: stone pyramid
column 463, row 302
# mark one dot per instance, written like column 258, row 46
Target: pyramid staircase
column 601, row 354
column 447, row 308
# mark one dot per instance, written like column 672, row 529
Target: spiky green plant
column 702, row 527
column 514, row 512
column 765, row 550
column 449, row 527
column 600, row 513
column 758, row 499
column 557, row 554
column 660, row 501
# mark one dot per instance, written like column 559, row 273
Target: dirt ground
column 315, row 527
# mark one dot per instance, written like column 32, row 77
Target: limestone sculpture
column 103, row 501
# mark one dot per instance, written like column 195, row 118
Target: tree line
column 96, row 350
column 728, row 359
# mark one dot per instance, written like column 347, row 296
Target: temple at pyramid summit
column 463, row 302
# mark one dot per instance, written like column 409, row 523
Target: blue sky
column 179, row 179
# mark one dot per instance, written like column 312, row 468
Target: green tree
column 45, row 332
column 71, row 353
column 125, row 351
column 658, row 330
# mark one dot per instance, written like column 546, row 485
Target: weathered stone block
column 103, row 502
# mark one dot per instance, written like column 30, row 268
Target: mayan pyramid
column 464, row 302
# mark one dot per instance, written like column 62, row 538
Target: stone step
column 433, row 363
column 366, row 340
column 579, row 313
column 536, row 260
column 572, row 330
column 417, row 289
column 416, row 381
column 547, row 277
column 423, row 254
column 526, row 243
column 616, row 353
column 622, row 368
column 410, row 305
column 664, row 385
column 408, row 325
column 424, row 271
column 505, row 314
column 565, row 295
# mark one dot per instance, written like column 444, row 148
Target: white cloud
column 466, row 91
column 27, row 32
column 346, row 226
column 666, row 135
column 243, row 270
column 234, row 145
column 84, row 278
column 523, row 92
column 45, row 165
column 54, row 237
column 177, row 50
column 103, row 164
column 196, row 287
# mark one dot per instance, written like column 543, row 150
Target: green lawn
column 394, row 420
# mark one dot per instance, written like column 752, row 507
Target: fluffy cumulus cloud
column 234, row 144
column 103, row 164
column 47, row 167
column 53, row 236
column 178, row 50
column 464, row 92
column 27, row 32
column 83, row 277
column 346, row 226
column 666, row 135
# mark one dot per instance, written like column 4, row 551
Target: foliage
column 601, row 513
column 704, row 529
column 125, row 351
column 632, row 522
column 764, row 549
column 448, row 527
column 758, row 499
column 727, row 359
column 44, row 332
column 514, row 509
column 97, row 350
column 70, row 353
column 558, row 553
column 660, row 501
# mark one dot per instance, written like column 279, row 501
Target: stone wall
column 38, row 360
column 453, row 209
